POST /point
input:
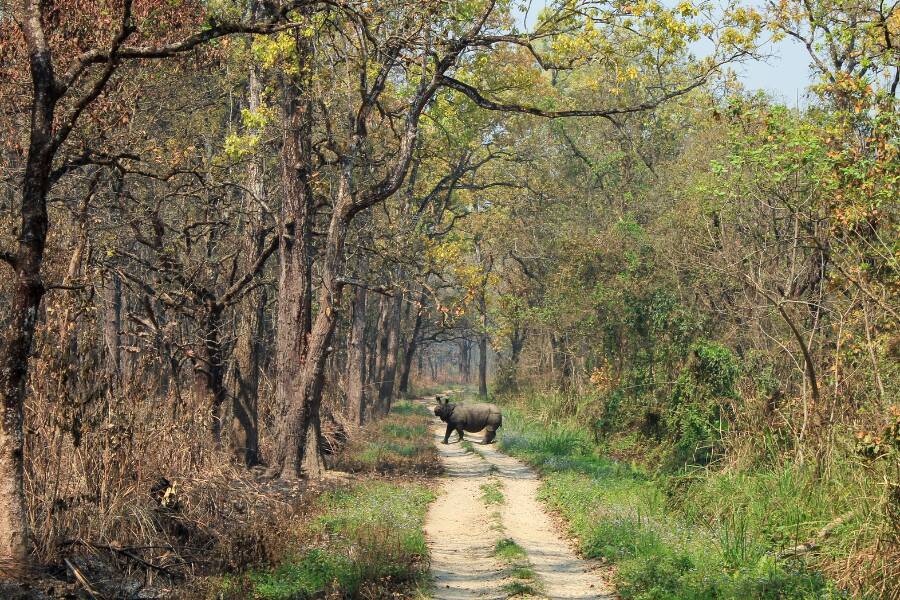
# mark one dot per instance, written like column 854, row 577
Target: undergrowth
column 703, row 534
column 399, row 444
column 366, row 539
column 360, row 540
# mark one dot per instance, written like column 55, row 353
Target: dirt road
column 490, row 537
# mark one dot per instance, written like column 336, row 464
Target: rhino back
column 475, row 417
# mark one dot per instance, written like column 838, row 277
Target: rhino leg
column 459, row 430
column 489, row 434
column 447, row 434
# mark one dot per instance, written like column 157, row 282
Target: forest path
column 463, row 530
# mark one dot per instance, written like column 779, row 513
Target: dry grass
column 399, row 444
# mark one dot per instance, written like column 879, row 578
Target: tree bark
column 112, row 325
column 298, row 449
column 482, row 365
column 386, row 389
column 209, row 383
column 482, row 348
column 410, row 351
column 382, row 333
column 356, row 359
column 244, row 404
column 27, row 293
column 294, row 315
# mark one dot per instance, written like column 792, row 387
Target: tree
column 65, row 81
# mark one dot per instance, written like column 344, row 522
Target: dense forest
column 235, row 233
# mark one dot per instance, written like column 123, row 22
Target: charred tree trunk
column 209, row 382
column 28, row 290
column 516, row 343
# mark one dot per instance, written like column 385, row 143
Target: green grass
column 519, row 569
column 408, row 408
column 399, row 444
column 467, row 446
column 364, row 535
column 509, row 551
column 520, row 588
column 675, row 537
column 492, row 493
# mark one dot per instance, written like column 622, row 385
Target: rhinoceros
column 469, row 417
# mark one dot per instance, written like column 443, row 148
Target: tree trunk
column 27, row 293
column 294, row 316
column 356, row 360
column 483, row 345
column 410, row 351
column 209, row 383
column 382, row 333
column 297, row 449
column 482, row 365
column 386, row 389
column 244, row 404
column 112, row 325
column 516, row 343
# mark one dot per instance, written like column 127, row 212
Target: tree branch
column 476, row 97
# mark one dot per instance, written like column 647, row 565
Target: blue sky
column 785, row 75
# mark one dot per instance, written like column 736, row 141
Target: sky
column 785, row 73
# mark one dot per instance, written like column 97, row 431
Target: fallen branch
column 79, row 576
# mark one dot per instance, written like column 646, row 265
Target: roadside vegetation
column 400, row 444
column 362, row 537
column 700, row 533
column 365, row 540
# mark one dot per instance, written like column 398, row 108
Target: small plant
column 508, row 550
column 492, row 493
column 519, row 588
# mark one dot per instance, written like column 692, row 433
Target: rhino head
column 444, row 409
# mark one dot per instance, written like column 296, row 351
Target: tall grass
column 398, row 444
column 364, row 541
column 703, row 534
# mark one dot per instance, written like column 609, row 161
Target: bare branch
column 476, row 97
